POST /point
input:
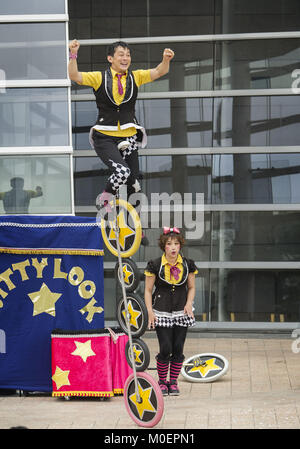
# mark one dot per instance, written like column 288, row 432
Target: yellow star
column 84, row 350
column 204, row 370
column 124, row 230
column 44, row 300
column 126, row 273
column 133, row 315
column 60, row 377
column 137, row 354
column 144, row 405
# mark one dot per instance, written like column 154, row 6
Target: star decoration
column 144, row 405
column 137, row 354
column 133, row 315
column 204, row 370
column 126, row 273
column 124, row 230
column 44, row 300
column 84, row 350
column 61, row 377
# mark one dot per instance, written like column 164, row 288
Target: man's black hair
column 112, row 47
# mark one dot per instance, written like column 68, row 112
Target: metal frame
column 195, row 38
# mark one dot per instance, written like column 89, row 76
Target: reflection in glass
column 136, row 18
column 256, row 236
column 257, row 121
column 256, row 64
column 256, row 16
column 33, row 51
column 34, row 117
column 256, row 178
column 255, row 295
column 177, row 123
column 32, row 7
column 35, row 185
column 90, row 176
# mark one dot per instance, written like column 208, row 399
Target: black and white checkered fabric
column 132, row 146
column 164, row 319
column 120, row 175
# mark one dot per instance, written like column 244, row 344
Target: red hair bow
column 169, row 230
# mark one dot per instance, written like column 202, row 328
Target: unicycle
column 206, row 367
column 143, row 397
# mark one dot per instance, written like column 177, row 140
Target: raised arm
column 164, row 66
column 72, row 67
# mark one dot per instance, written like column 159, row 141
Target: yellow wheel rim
column 130, row 234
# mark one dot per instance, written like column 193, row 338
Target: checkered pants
column 123, row 164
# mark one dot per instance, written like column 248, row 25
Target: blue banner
column 51, row 277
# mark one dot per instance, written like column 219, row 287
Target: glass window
column 32, row 7
column 256, row 236
column 268, row 295
column 35, row 185
column 191, row 69
column 242, row 16
column 167, row 18
column 257, row 121
column 136, row 18
column 33, row 51
column 169, row 123
column 94, row 19
column 84, row 116
column 256, row 64
column 34, row 117
column 256, row 178
column 177, row 174
column 90, row 177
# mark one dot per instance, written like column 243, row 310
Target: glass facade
column 223, row 123
column 35, row 117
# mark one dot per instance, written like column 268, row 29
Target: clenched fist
column 74, row 46
column 168, row 54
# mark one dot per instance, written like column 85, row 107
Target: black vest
column 109, row 113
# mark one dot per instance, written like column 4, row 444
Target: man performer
column 117, row 134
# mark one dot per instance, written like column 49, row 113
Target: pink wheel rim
column 149, row 412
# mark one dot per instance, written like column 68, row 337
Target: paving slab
column 261, row 390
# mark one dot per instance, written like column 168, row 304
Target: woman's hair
column 164, row 238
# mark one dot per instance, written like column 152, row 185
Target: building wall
column 223, row 123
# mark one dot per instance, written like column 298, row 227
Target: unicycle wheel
column 206, row 367
column 141, row 354
column 148, row 411
column 138, row 315
column 130, row 272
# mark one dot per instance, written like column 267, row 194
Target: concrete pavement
column 261, row 390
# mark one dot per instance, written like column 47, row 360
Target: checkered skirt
column 178, row 318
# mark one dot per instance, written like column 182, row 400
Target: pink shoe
column 102, row 201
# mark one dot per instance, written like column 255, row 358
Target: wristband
column 73, row 56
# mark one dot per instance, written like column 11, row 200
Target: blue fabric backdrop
column 51, row 277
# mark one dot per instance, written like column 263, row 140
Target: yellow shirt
column 168, row 276
column 94, row 80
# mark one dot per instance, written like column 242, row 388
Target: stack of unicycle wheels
column 122, row 236
column 143, row 398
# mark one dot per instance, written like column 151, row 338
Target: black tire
column 131, row 274
column 138, row 317
column 141, row 354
